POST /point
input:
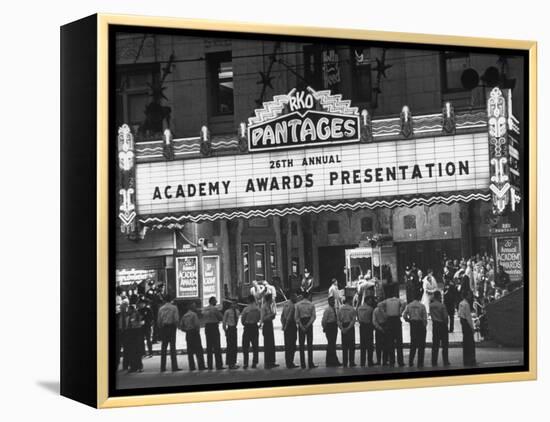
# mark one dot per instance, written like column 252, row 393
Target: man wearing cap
column 440, row 333
column 415, row 314
column 305, row 316
column 366, row 330
column 307, row 283
column 167, row 321
column 346, row 321
column 330, row 328
column 191, row 326
column 212, row 318
column 393, row 307
column 229, row 324
column 288, row 322
column 250, row 318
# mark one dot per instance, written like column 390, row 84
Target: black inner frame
column 113, row 392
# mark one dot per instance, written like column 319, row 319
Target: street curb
column 318, row 347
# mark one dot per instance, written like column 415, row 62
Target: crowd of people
column 464, row 289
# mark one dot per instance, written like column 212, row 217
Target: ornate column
column 226, row 257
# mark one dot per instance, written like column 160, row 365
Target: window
column 313, row 66
column 366, row 224
column 273, row 260
column 409, row 222
column 333, row 227
column 445, row 219
column 361, row 75
column 133, row 88
column 258, row 222
column 246, row 264
column 259, row 262
column 294, row 228
column 220, row 75
column 322, row 67
column 216, row 228
column 452, row 65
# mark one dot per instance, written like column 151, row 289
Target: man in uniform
column 190, row 325
column 379, row 321
column 167, row 321
column 268, row 313
column 366, row 330
column 330, row 328
column 229, row 324
column 305, row 316
column 288, row 322
column 415, row 314
column 346, row 321
column 393, row 307
column 250, row 319
column 307, row 283
column 440, row 333
column 212, row 318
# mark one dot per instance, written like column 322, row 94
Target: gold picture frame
column 102, row 177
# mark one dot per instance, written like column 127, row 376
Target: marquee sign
column 301, row 119
column 331, row 178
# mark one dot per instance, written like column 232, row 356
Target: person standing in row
column 229, row 324
column 346, row 320
column 167, row 322
column 190, row 325
column 366, row 330
column 450, row 296
column 440, row 333
column 379, row 321
column 465, row 315
column 267, row 316
column 250, row 319
column 415, row 314
column 305, row 316
column 288, row 322
column 334, row 292
column 212, row 318
column 330, row 328
column 393, row 307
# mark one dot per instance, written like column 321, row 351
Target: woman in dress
column 429, row 285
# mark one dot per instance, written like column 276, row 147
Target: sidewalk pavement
column 319, row 338
column 487, row 357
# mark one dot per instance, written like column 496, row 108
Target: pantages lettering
column 296, row 181
column 303, row 118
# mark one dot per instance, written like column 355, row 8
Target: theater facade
column 308, row 173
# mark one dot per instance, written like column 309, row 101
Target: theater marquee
column 442, row 169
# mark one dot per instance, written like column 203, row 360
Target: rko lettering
column 301, row 119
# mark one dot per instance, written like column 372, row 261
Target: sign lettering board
column 301, row 119
column 508, row 254
column 130, row 276
column 210, row 278
column 187, row 274
column 299, row 176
